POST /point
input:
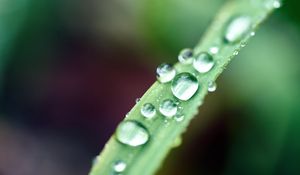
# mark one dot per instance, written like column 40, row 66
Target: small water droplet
column 168, row 108
column 179, row 117
column 148, row 110
column 137, row 100
column 119, row 166
column 238, row 27
column 165, row 73
column 214, row 50
column 252, row 33
column 276, row 4
column 184, row 86
column 186, row 56
column 177, row 142
column 132, row 133
column 203, row 62
column 235, row 52
column 212, row 86
column 95, row 160
column 243, row 44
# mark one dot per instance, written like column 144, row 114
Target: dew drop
column 214, row 50
column 237, row 29
column 252, row 34
column 119, row 166
column 186, row 56
column 177, row 142
column 212, row 86
column 148, row 110
column 95, row 160
column 184, row 86
column 276, row 4
column 132, row 133
column 137, row 100
column 165, row 73
column 235, row 52
column 243, row 44
column 203, row 62
column 179, row 117
column 168, row 108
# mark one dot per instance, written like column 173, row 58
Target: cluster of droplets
column 183, row 85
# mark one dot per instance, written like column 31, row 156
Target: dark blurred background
column 71, row 69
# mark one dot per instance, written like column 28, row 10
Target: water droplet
column 179, row 117
column 148, row 110
column 235, row 52
column 95, row 160
column 203, row 62
column 214, row 50
column 243, row 44
column 184, row 86
column 132, row 133
column 252, row 33
column 177, row 142
column 276, row 4
column 237, row 29
column 212, row 86
column 186, row 56
column 168, row 108
column 137, row 100
column 165, row 73
column 119, row 166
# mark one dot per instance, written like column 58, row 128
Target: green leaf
column 165, row 133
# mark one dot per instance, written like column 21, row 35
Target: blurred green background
column 71, row 69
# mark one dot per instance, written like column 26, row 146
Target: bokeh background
column 71, row 69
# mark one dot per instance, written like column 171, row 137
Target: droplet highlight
column 168, row 108
column 186, row 56
column 203, row 62
column 184, row 86
column 119, row 166
column 165, row 73
column 237, row 29
column 148, row 110
column 212, row 87
column 132, row 133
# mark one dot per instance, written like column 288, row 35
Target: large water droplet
column 132, row 133
column 186, row 56
column 168, row 108
column 148, row 110
column 165, row 73
column 119, row 166
column 212, row 86
column 184, row 86
column 237, row 29
column 203, row 62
